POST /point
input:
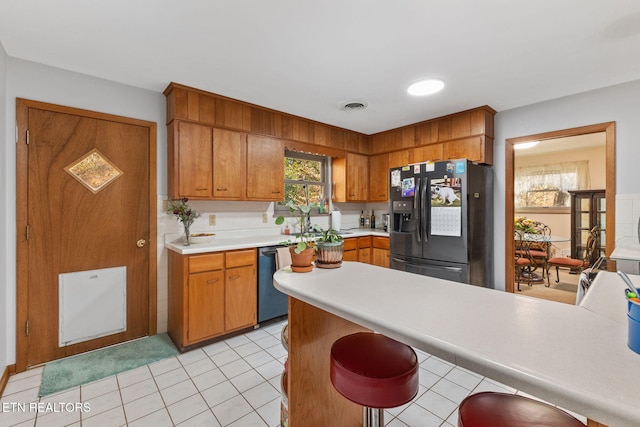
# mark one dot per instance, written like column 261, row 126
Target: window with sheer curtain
column 548, row 186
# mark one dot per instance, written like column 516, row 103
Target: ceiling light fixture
column 425, row 87
column 525, row 145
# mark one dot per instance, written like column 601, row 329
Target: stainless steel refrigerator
column 441, row 220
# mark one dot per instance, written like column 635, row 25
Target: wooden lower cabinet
column 364, row 249
column 380, row 251
column 211, row 295
column 369, row 249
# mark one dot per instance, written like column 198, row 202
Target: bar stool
column 374, row 371
column 492, row 409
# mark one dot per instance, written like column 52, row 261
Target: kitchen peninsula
column 572, row 356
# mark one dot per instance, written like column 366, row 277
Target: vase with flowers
column 185, row 214
column 524, row 225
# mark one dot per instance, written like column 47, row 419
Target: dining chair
column 573, row 263
column 540, row 245
column 522, row 260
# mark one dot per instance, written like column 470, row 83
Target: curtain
column 548, row 185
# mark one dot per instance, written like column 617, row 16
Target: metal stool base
column 372, row 417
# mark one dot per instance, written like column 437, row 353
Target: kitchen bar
column 571, row 356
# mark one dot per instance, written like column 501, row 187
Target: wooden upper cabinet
column 400, row 158
column 476, row 149
column 229, row 164
column 379, row 178
column 432, row 152
column 350, row 178
column 194, row 163
column 265, row 168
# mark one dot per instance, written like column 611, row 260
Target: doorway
column 608, row 129
column 85, row 206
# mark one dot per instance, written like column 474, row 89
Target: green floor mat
column 87, row 367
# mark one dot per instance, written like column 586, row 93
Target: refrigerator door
column 443, row 270
column 445, row 211
column 404, row 217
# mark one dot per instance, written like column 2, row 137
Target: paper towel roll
column 336, row 220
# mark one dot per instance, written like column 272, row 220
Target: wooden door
column 229, row 164
column 357, row 177
column 195, row 164
column 206, row 305
column 240, row 296
column 265, row 168
column 86, row 201
column 379, row 178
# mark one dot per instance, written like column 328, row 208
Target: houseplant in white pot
column 302, row 248
column 329, row 249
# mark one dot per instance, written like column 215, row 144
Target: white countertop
column 629, row 254
column 225, row 241
column 570, row 355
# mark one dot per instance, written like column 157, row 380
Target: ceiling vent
column 354, row 105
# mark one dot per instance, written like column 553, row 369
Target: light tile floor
column 235, row 382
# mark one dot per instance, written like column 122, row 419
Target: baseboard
column 11, row 369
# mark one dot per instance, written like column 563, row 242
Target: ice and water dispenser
column 403, row 216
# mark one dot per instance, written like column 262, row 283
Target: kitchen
column 33, row 80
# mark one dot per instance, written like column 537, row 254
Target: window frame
column 280, row 208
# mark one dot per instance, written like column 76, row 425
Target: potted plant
column 329, row 249
column 302, row 249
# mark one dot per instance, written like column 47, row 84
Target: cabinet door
column 364, row 255
column 425, row 153
column 229, row 164
column 357, row 177
column 265, row 168
column 206, row 305
column 473, row 148
column 380, row 257
column 195, row 165
column 379, row 178
column 350, row 249
column 241, row 304
column 399, row 158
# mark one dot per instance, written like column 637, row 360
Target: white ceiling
column 308, row 57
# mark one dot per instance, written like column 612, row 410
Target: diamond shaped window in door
column 94, row 171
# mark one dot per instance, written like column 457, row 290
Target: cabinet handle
column 221, row 189
column 235, row 276
column 201, row 189
column 275, row 192
column 211, row 282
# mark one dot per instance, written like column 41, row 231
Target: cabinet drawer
column 240, row 258
column 206, row 262
column 364, row 242
column 380, row 242
column 350, row 244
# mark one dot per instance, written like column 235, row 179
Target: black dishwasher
column 271, row 302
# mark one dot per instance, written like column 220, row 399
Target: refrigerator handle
column 424, row 213
column 417, row 202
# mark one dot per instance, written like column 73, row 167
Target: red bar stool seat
column 491, row 409
column 374, row 371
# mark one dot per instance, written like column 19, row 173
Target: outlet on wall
column 212, row 219
column 265, row 218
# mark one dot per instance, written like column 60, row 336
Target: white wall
column 6, row 304
column 29, row 80
column 613, row 104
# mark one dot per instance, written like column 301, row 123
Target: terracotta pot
column 302, row 262
column 329, row 255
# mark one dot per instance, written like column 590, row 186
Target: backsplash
column 627, row 215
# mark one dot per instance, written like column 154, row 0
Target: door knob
column 141, row 243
